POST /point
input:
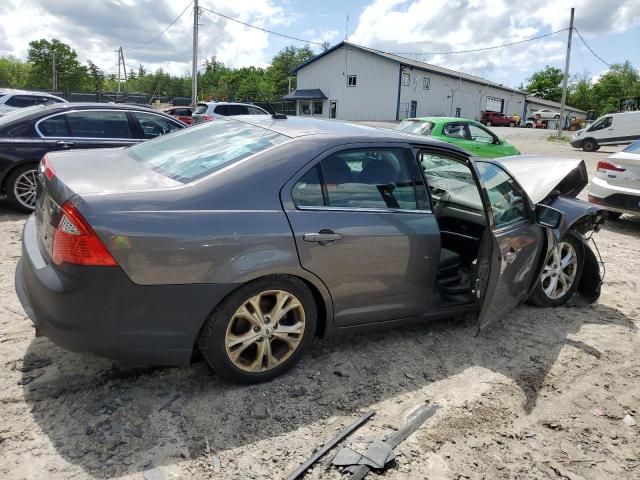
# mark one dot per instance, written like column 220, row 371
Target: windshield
column 19, row 113
column 416, row 126
column 195, row 152
column 633, row 148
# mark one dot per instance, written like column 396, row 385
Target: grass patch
column 555, row 138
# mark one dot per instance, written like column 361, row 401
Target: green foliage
column 546, row 83
column 71, row 74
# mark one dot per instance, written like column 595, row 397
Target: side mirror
column 548, row 216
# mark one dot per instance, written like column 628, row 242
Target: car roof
column 99, row 106
column 441, row 119
column 228, row 103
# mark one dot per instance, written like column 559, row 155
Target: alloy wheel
column 24, row 188
column 265, row 331
column 560, row 271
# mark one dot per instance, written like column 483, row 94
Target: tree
column 283, row 62
column 97, row 77
column 546, row 83
column 619, row 82
column 71, row 74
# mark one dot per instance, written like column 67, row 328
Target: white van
column 611, row 129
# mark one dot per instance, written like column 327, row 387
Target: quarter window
column 364, row 178
column 352, row 80
column 153, row 126
column 506, row 198
column 99, row 124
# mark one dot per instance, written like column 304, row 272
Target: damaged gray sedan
column 246, row 238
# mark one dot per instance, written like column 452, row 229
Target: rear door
column 511, row 247
column 363, row 225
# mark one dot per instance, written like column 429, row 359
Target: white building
column 352, row 82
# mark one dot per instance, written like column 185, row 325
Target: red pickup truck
column 498, row 119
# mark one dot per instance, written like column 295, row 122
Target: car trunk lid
column 630, row 176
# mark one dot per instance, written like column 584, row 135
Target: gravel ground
column 542, row 394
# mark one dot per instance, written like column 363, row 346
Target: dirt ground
column 540, row 395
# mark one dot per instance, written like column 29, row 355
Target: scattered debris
column 259, row 411
column 597, row 412
column 298, row 392
column 153, row 473
column 169, row 403
column 376, row 454
column 329, row 445
column 629, row 420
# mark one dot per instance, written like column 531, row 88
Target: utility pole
column 194, row 66
column 54, row 78
column 118, row 52
column 124, row 66
column 566, row 77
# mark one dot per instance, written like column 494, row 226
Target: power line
column 482, row 49
column 260, row 28
column 163, row 31
column 590, row 49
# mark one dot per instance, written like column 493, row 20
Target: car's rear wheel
column 561, row 274
column 21, row 188
column 488, row 124
column 590, row 145
column 260, row 331
column 529, row 125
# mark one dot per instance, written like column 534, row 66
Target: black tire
column 10, row 185
column 613, row 215
column 528, row 125
column 590, row 145
column 212, row 337
column 540, row 298
column 556, row 117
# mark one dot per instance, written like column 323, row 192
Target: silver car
column 207, row 111
column 246, row 238
column 11, row 99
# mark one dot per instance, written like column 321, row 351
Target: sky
column 96, row 28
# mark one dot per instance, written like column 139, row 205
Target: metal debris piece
column 376, row 454
column 329, row 445
column 415, row 421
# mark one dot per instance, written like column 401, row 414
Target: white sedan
column 616, row 184
column 546, row 114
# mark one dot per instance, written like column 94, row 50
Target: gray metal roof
column 308, row 94
column 411, row 63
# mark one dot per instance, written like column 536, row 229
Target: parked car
column 616, row 183
column 26, row 135
column 498, row 119
column 533, row 122
column 546, row 114
column 468, row 134
column 181, row 113
column 248, row 237
column 611, row 129
column 207, row 111
column 11, row 99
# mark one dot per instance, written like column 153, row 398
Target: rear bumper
column 100, row 310
column 611, row 197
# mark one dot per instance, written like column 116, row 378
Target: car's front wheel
column 561, row 274
column 21, row 188
column 260, row 331
column 590, row 145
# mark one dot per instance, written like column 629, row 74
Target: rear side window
column 416, row 126
column 195, row 152
column 54, row 127
column 221, row 110
column 363, row 178
column 153, row 125
column 21, row 101
column 237, row 110
column 201, row 108
column 99, row 124
column 455, row 130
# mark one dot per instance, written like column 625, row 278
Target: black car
column 26, row 135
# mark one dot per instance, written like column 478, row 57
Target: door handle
column 511, row 255
column 323, row 237
column 64, row 144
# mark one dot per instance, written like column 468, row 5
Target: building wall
column 375, row 97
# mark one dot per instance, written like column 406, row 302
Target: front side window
column 479, row 134
column 195, row 152
column 505, row 196
column 201, row 108
column 352, row 80
column 317, row 108
column 98, row 124
column 365, row 178
column 153, row 125
column 406, row 79
column 604, row 122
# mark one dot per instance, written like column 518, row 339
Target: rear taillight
column 207, row 118
column 604, row 167
column 47, row 168
column 74, row 241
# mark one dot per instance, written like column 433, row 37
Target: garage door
column 494, row 104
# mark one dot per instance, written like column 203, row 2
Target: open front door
column 510, row 248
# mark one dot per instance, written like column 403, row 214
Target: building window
column 352, row 80
column 406, row 79
column 305, row 108
column 317, row 108
column 426, row 83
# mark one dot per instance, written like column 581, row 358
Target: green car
column 468, row 134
